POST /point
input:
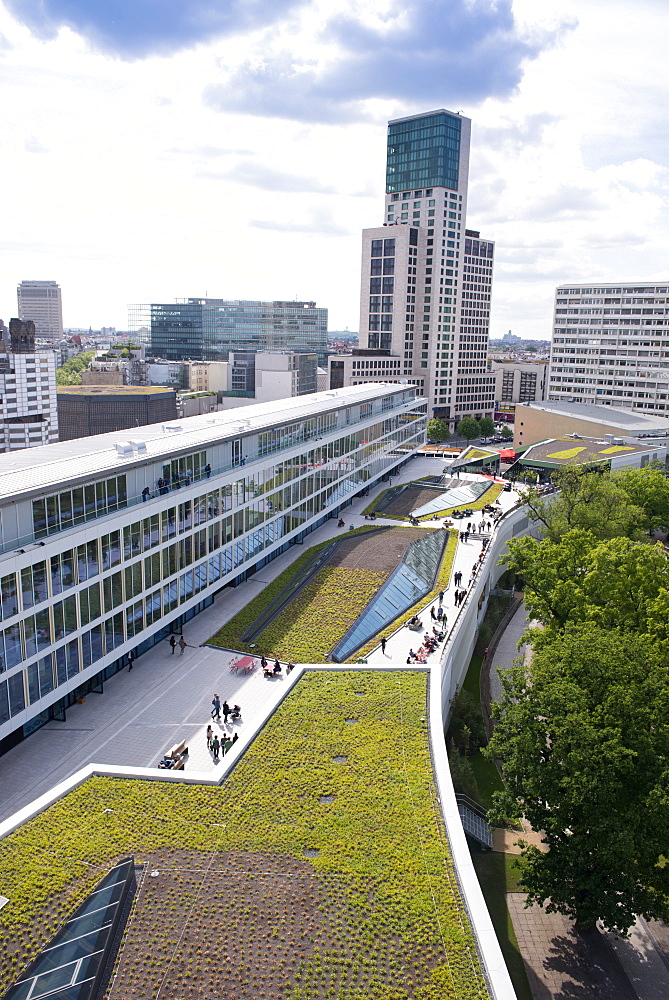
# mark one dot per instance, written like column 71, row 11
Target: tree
column 437, row 429
column 589, row 500
column 486, row 426
column 649, row 489
column 577, row 578
column 506, row 433
column 583, row 738
column 469, row 428
column 70, row 372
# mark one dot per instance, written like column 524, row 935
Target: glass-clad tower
column 426, row 280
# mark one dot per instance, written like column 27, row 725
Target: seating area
column 175, row 758
column 246, row 664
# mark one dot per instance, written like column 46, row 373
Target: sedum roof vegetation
column 320, row 867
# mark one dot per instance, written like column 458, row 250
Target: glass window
column 9, row 595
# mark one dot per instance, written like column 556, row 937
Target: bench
column 177, row 754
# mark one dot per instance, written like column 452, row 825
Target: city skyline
column 210, row 146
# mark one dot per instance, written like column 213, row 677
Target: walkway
column 167, row 697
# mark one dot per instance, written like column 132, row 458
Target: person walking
column 210, row 736
column 225, row 708
column 433, row 614
column 173, row 643
column 182, row 645
column 383, row 646
column 216, row 710
column 207, row 470
column 146, row 493
column 131, row 657
column 215, row 748
column 441, row 597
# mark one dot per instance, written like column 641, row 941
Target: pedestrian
column 440, row 613
column 225, row 708
column 216, row 710
column 383, row 646
column 207, row 470
column 182, row 644
column 173, row 643
column 235, row 737
column 210, row 736
column 131, row 657
column 215, row 747
column 441, row 597
column 146, row 493
column 433, row 615
column 225, row 745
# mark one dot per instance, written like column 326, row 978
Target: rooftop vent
column 171, row 428
column 139, row 445
column 123, row 448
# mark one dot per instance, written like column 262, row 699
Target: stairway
column 473, row 819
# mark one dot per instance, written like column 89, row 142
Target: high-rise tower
column 40, row 301
column 426, row 280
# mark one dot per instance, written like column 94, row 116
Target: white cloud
column 142, row 191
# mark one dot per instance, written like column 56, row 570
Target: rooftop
column 614, row 416
column 574, row 450
column 49, row 465
column 112, row 390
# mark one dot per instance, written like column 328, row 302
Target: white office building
column 28, row 401
column 40, row 301
column 426, row 279
column 610, row 346
column 90, row 570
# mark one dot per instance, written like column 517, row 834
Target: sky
column 160, row 149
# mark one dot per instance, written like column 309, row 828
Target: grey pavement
column 508, row 649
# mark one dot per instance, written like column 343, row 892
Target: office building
column 28, row 408
column 610, row 345
column 539, row 421
column 208, row 329
column 85, row 410
column 264, row 375
column 91, row 566
column 426, row 279
column 40, row 301
column 517, row 382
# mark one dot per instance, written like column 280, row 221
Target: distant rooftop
column 111, row 390
column 614, row 416
column 573, row 450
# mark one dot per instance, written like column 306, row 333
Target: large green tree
column 592, row 501
column 70, row 372
column 486, row 426
column 583, row 737
column 437, row 429
column 506, row 433
column 469, row 428
column 649, row 489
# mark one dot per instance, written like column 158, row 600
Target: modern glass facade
column 105, row 570
column 207, row 329
column 423, row 152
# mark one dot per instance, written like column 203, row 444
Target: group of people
column 429, row 644
column 180, row 642
column 274, row 670
column 219, row 747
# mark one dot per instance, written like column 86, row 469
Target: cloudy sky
column 154, row 149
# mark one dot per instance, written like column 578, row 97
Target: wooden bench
column 178, row 754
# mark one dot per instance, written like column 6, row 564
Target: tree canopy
column 438, row 429
column 70, row 372
column 583, row 737
column 506, row 433
column 648, row 489
column 469, row 428
column 486, row 426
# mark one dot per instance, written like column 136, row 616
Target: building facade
column 539, row 421
column 90, row 568
column 85, row 410
column 41, row 302
column 208, row 329
column 28, row 406
column 610, row 345
column 427, row 280
column 516, row 382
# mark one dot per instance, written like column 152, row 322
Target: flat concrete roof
column 613, row 416
column 112, row 390
column 48, row 466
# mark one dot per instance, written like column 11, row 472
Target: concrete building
column 539, row 421
column 265, row 375
column 84, row 410
column 91, row 567
column 517, row 383
column 41, row 302
column 426, row 279
column 610, row 345
column 28, row 409
column 208, row 329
